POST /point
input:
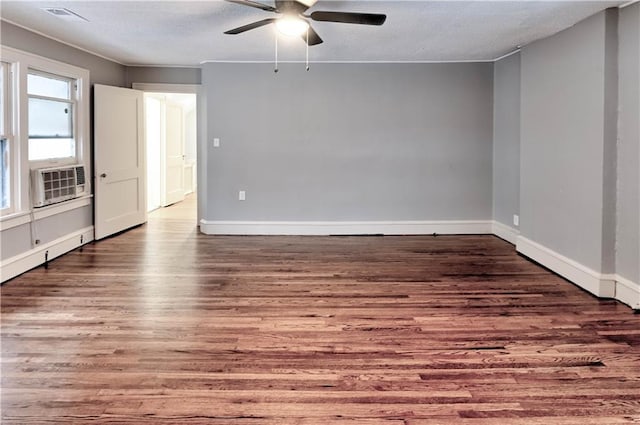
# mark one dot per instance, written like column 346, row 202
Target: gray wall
column 566, row 142
column 349, row 141
column 506, row 139
column 18, row 239
column 151, row 74
column 628, row 202
column 15, row 241
column 610, row 139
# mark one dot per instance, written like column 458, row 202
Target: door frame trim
column 201, row 162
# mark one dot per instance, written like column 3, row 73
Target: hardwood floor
column 162, row 325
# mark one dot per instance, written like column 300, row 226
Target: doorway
column 171, row 145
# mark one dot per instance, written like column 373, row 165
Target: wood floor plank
column 163, row 325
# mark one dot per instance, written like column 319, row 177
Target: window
column 44, row 122
column 6, row 203
column 5, row 199
column 4, row 91
column 51, row 116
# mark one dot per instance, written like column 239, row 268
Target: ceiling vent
column 64, row 13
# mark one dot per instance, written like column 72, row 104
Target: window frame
column 21, row 64
column 8, row 112
column 74, row 100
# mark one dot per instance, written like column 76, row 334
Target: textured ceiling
column 188, row 33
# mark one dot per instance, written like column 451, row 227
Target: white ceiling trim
column 508, row 54
column 622, row 6
column 355, row 62
column 517, row 50
column 223, row 61
column 66, row 43
column 125, row 40
column 162, row 66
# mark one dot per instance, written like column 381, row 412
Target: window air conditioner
column 51, row 185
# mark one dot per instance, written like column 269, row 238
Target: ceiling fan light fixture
column 293, row 27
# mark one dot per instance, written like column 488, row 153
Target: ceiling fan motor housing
column 294, row 9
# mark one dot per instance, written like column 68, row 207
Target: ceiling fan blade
column 314, row 38
column 251, row 26
column 350, row 18
column 254, row 4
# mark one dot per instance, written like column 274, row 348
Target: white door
column 154, row 132
column 173, row 154
column 120, row 192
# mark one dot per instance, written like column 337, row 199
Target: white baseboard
column 628, row 292
column 505, row 232
column 320, row 228
column 14, row 266
column 598, row 284
column 601, row 285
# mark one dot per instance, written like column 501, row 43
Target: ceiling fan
column 294, row 21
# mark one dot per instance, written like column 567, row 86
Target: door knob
column 103, row 175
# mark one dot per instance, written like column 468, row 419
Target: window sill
column 14, row 220
column 24, row 217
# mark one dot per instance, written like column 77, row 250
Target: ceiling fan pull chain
column 307, row 48
column 276, row 64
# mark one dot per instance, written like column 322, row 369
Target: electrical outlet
column 242, row 195
column 516, row 220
